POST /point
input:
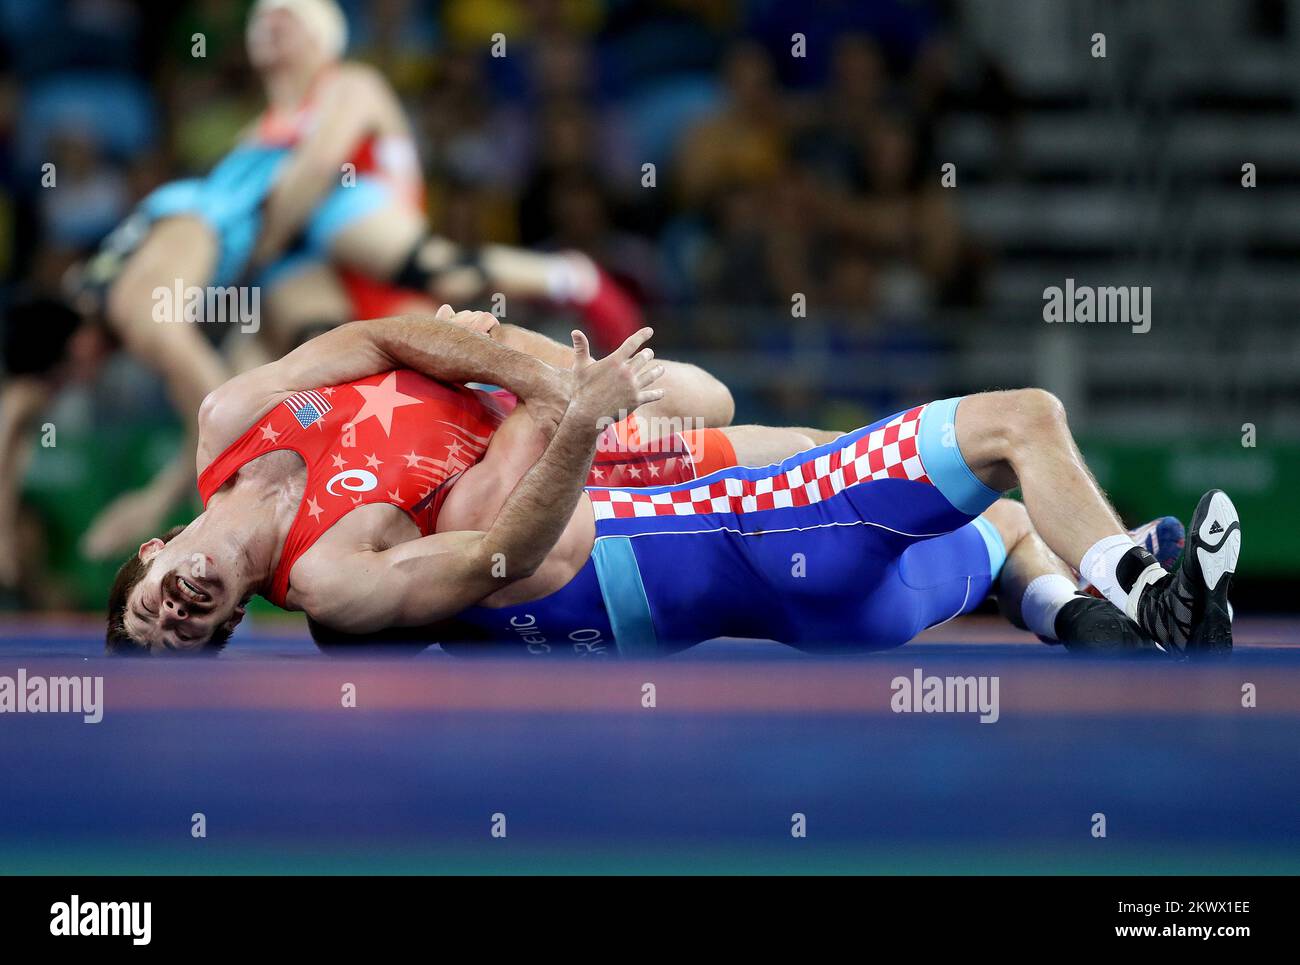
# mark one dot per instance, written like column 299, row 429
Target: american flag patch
column 889, row 452
column 307, row 407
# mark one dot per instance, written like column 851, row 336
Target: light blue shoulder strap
column 625, row 599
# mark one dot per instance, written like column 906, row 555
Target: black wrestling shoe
column 1188, row 609
column 1087, row 625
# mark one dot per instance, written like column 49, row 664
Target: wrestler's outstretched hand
column 615, row 386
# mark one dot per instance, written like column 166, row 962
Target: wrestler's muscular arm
column 690, row 393
column 429, row 344
column 434, row 577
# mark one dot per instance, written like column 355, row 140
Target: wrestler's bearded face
column 183, row 598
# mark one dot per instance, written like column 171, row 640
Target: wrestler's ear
column 149, row 549
column 235, row 617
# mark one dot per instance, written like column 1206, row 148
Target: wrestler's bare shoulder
column 361, row 86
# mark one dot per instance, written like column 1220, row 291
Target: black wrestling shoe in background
column 1188, row 609
column 1087, row 625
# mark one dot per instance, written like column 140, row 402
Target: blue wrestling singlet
column 229, row 201
column 856, row 545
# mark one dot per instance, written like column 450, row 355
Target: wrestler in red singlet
column 397, row 438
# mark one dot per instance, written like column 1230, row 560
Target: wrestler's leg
column 390, row 241
column 1021, row 437
column 818, row 437
column 935, row 580
column 377, row 243
column 386, row 238
column 766, row 445
column 1036, row 591
column 179, row 253
column 393, row 244
column 692, row 399
column 299, row 301
column 1028, row 558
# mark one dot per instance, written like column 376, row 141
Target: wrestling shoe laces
column 1188, row 609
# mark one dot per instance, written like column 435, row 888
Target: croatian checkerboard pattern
column 889, row 452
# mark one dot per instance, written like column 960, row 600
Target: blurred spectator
column 581, row 218
column 464, row 135
column 835, row 136
column 397, row 36
column 745, row 143
column 91, row 196
column 902, row 214
column 566, row 132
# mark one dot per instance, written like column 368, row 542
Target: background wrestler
column 333, row 113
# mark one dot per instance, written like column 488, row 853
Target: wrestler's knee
column 1033, row 415
column 713, row 401
column 722, row 404
column 1010, row 519
column 1006, row 425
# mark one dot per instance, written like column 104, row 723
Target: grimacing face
column 181, row 599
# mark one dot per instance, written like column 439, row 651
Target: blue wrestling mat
column 581, row 776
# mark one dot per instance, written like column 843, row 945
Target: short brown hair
column 117, row 641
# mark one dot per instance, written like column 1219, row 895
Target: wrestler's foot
column 1188, row 609
column 610, row 312
column 1088, row 625
column 1163, row 538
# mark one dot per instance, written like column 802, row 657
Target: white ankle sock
column 1099, row 563
column 1043, row 599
